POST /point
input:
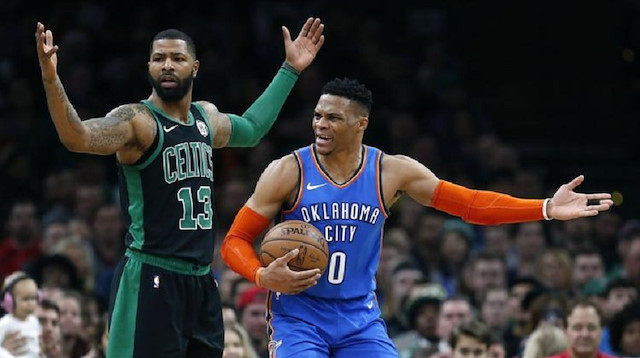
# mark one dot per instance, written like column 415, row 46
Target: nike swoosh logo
column 167, row 130
column 311, row 187
column 370, row 305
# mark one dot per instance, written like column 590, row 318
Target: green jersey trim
column 169, row 263
column 158, row 146
column 190, row 121
column 136, row 205
column 125, row 312
column 206, row 120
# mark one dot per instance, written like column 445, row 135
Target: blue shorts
column 307, row 326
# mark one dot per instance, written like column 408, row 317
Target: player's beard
column 173, row 94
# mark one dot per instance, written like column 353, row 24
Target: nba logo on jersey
column 202, row 127
column 156, row 281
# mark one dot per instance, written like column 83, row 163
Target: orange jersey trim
column 300, row 186
column 343, row 185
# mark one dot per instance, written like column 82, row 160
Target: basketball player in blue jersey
column 345, row 189
column 164, row 301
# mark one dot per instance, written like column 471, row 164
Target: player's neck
column 341, row 165
column 178, row 110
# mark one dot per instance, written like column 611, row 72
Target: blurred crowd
column 62, row 219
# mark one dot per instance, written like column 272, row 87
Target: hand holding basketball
column 278, row 277
column 295, row 254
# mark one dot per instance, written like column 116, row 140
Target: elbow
column 70, row 145
column 73, row 143
column 224, row 250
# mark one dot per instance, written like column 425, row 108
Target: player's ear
column 363, row 123
column 194, row 69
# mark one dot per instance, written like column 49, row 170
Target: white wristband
column 545, row 214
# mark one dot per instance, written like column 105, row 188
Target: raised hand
column 46, row 52
column 301, row 51
column 567, row 204
column 280, row 278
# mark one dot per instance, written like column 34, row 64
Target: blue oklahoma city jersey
column 350, row 215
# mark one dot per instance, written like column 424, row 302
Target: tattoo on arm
column 107, row 135
column 71, row 115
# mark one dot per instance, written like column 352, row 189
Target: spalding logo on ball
column 295, row 234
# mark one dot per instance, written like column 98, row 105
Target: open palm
column 301, row 51
column 46, row 52
column 566, row 204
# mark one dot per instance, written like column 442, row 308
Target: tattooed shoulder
column 126, row 112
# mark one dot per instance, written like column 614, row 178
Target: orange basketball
column 295, row 234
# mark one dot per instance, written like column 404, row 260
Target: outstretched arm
column 98, row 136
column 487, row 207
column 276, row 184
column 247, row 130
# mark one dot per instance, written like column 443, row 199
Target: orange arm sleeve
column 237, row 248
column 484, row 207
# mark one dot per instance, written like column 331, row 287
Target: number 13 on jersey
column 203, row 220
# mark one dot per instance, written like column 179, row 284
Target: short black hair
column 173, row 34
column 351, row 89
column 474, row 329
column 629, row 314
column 619, row 282
column 47, row 304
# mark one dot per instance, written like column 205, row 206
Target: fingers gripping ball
column 295, row 234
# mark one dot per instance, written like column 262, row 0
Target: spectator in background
column 497, row 240
column 470, row 339
column 20, row 301
column 99, row 340
column 48, row 314
column 618, row 293
column 493, row 309
column 107, row 246
column 488, row 271
column 422, row 310
column 588, row 269
column 576, row 235
column 88, row 198
column 226, row 280
column 54, row 272
column 453, row 312
column 631, row 260
column 530, row 243
column 229, row 313
column 584, row 325
column 404, row 278
column 397, row 248
column 497, row 348
column 236, row 342
column 426, row 236
column 519, row 317
column 53, row 232
column 548, row 308
column 456, row 238
column 252, row 309
column 74, row 342
column 554, row 271
column 22, row 243
column 625, row 331
column 80, row 254
column 605, row 230
column 545, row 341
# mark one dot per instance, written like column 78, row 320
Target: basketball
column 295, row 234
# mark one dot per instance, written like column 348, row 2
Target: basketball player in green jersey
column 164, row 301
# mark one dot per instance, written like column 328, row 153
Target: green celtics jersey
column 167, row 195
